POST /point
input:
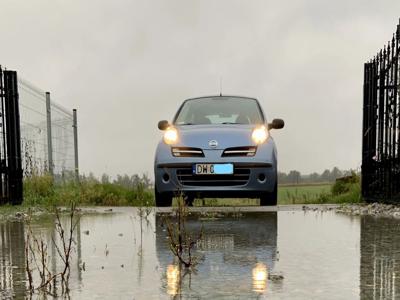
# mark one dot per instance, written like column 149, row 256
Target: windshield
column 219, row 110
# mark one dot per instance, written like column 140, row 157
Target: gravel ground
column 373, row 209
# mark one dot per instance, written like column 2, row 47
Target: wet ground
column 283, row 253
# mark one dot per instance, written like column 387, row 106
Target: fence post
column 76, row 145
column 14, row 161
column 49, row 135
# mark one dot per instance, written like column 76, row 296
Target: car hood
column 229, row 135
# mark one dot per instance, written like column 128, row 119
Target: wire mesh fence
column 33, row 120
column 47, row 134
column 62, row 123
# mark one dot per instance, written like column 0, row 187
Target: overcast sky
column 127, row 64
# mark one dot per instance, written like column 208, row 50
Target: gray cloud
column 127, row 64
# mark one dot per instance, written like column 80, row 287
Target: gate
column 380, row 170
column 11, row 188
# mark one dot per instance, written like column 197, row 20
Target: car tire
column 270, row 199
column 162, row 199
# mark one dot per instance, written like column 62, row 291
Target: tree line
column 127, row 181
column 295, row 177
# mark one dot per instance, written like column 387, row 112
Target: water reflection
column 12, row 256
column 13, row 278
column 380, row 258
column 260, row 276
column 319, row 253
column 238, row 252
column 173, row 279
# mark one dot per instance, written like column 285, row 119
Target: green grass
column 40, row 191
column 302, row 194
column 347, row 192
column 294, row 194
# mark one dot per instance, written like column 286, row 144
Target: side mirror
column 276, row 124
column 163, row 125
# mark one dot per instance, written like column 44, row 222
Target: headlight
column 171, row 136
column 260, row 135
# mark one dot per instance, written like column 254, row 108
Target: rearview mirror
column 163, row 125
column 276, row 124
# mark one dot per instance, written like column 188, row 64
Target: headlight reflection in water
column 260, row 277
column 173, row 278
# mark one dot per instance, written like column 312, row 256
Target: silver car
column 218, row 146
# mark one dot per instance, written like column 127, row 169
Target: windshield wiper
column 230, row 123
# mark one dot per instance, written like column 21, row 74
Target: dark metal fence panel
column 13, row 137
column 10, row 144
column 381, row 138
column 3, row 151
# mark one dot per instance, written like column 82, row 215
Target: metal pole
column 49, row 135
column 75, row 125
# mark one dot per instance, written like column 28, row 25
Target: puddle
column 274, row 255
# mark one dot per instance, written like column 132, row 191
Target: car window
column 219, row 110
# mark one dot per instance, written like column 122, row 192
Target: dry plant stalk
column 181, row 242
column 36, row 253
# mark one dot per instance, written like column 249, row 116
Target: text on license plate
column 210, row 169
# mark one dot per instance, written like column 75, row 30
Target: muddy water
column 274, row 255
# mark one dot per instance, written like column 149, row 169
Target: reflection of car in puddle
column 238, row 252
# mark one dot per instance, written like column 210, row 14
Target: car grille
column 187, row 152
column 186, row 177
column 239, row 151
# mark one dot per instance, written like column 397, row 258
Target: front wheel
column 162, row 199
column 270, row 199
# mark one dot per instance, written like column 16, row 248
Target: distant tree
column 146, row 181
column 314, row 177
column 105, row 178
column 135, row 180
column 91, row 178
column 326, row 176
column 282, row 177
column 294, row 177
column 335, row 173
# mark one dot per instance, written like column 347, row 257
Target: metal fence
column 48, row 135
column 381, row 125
column 10, row 143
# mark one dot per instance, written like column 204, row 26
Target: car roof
column 220, row 96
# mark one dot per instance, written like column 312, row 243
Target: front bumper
column 252, row 175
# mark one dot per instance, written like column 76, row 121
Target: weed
column 37, row 256
column 181, row 242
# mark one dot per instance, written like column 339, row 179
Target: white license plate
column 211, row 169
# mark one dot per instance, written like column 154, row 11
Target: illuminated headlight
column 171, row 136
column 260, row 135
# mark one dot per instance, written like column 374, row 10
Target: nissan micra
column 218, row 146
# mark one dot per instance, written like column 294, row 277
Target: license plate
column 211, row 169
